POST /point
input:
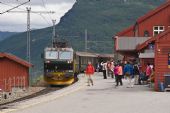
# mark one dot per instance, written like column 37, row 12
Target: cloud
column 38, row 2
column 17, row 21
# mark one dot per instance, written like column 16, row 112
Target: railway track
column 42, row 92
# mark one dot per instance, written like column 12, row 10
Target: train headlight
column 70, row 71
column 69, row 62
column 47, row 61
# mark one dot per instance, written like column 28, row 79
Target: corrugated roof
column 130, row 43
column 106, row 55
column 16, row 59
column 86, row 54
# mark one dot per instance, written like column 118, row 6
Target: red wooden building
column 145, row 27
column 14, row 72
column 139, row 40
column 161, row 57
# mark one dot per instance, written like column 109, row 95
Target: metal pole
column 5, row 84
column 14, row 82
column 24, row 82
column 28, row 34
column 53, row 36
column 85, row 40
column 10, row 84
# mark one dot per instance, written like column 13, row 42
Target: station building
column 148, row 40
column 14, row 72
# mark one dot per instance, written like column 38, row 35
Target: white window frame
column 158, row 30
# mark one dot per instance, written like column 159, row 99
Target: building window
column 157, row 30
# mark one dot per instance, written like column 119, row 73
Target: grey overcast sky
column 17, row 21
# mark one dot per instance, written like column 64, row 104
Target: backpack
column 136, row 70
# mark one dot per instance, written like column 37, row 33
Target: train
column 62, row 64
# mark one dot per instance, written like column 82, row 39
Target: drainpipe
column 136, row 30
column 115, row 47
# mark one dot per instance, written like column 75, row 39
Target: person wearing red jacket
column 89, row 72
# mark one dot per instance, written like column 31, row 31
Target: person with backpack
column 89, row 72
column 136, row 73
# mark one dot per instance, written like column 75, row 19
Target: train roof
column 56, row 49
column 88, row 54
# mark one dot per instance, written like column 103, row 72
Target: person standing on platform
column 120, row 74
column 148, row 71
column 112, row 69
column 108, row 71
column 136, row 73
column 89, row 72
column 116, row 74
column 104, row 67
column 128, row 71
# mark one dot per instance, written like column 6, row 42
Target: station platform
column 103, row 97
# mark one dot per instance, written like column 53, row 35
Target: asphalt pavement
column 103, row 97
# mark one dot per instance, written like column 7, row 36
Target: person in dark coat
column 136, row 73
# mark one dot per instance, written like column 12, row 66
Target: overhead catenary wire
column 11, row 6
column 44, row 5
column 45, row 19
column 14, row 7
column 39, row 13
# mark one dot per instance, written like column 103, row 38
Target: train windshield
column 51, row 55
column 58, row 66
column 66, row 55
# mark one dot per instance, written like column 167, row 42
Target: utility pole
column 28, row 11
column 28, row 35
column 85, row 40
column 54, row 35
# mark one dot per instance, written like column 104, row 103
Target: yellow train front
column 58, row 66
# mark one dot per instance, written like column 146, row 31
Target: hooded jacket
column 90, row 69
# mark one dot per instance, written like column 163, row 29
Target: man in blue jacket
column 128, row 72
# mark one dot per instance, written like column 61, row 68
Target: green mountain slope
column 101, row 18
column 4, row 35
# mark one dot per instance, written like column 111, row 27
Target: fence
column 14, row 82
column 12, row 88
